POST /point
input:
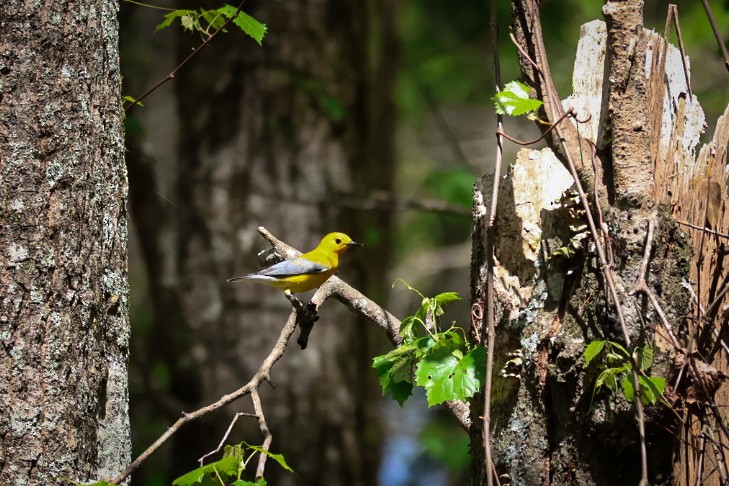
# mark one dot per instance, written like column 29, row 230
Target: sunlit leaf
column 446, row 377
column 514, row 100
column 279, row 458
column 592, row 350
column 245, row 22
column 209, row 474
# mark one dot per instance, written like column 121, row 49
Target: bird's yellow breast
column 301, row 283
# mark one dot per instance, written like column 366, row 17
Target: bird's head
column 337, row 243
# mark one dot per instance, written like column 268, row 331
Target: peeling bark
column 548, row 428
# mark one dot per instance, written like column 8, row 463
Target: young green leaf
column 592, row 350
column 446, row 377
column 628, row 389
column 245, row 22
column 407, row 328
column 651, row 388
column 176, row 14
column 514, row 100
column 446, row 298
column 645, row 357
column 227, row 467
column 399, row 390
column 279, row 458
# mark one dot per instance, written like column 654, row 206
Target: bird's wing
column 291, row 268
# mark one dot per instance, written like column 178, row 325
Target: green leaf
column 446, row 298
column 402, row 370
column 399, row 390
column 240, row 482
column 514, row 100
column 625, row 352
column 627, row 385
column 245, row 22
column 423, row 346
column 170, row 17
column 592, row 350
column 651, row 388
column 606, row 378
column 276, row 457
column 645, row 357
column 407, row 330
column 445, row 377
column 214, row 18
column 208, row 474
column 132, row 100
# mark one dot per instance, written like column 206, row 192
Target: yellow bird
column 308, row 271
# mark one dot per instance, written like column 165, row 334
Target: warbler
column 308, row 271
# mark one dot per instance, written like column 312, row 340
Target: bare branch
column 225, row 436
column 267, row 437
column 194, row 52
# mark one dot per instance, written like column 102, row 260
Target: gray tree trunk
column 63, row 244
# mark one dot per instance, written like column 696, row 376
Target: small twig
column 447, row 132
column 642, row 286
column 718, row 454
column 709, row 399
column 569, row 113
column 673, row 13
column 227, row 433
column 172, row 73
column 267, row 437
column 717, row 34
column 704, row 229
column 490, row 327
column 246, row 389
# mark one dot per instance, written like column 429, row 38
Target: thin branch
column 225, row 436
column 490, row 327
column 704, row 229
column 194, row 52
column 267, row 437
column 673, row 14
column 642, row 286
column 544, row 134
column 447, row 132
column 334, row 287
column 246, row 389
column 717, row 34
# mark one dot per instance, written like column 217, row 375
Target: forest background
column 374, row 118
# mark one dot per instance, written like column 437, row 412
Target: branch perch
column 334, row 287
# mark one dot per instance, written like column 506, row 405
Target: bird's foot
column 306, row 316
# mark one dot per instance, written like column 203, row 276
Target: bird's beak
column 354, row 243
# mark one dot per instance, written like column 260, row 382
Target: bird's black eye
column 338, row 241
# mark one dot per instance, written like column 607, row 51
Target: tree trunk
column 63, row 316
column 293, row 136
column 548, row 427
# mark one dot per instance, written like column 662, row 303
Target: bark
column 289, row 135
column 549, row 428
column 63, row 315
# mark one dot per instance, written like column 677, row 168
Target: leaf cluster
column 207, row 21
column 441, row 362
column 617, row 368
column 228, row 470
